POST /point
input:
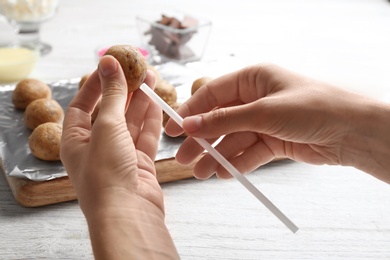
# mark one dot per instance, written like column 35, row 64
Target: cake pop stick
column 225, row 163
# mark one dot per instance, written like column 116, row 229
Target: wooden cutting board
column 30, row 193
column 34, row 194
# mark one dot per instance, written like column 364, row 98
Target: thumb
column 114, row 87
column 220, row 121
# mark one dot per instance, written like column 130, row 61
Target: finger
column 129, row 96
column 138, row 107
column 114, row 89
column 149, row 137
column 204, row 100
column 77, row 122
column 253, row 157
column 190, row 150
column 243, row 86
column 83, row 104
column 145, row 120
column 87, row 96
column 150, row 79
column 223, row 121
column 229, row 147
column 250, row 159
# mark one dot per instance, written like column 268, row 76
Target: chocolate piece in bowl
column 170, row 35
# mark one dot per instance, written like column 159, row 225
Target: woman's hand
column 116, row 154
column 266, row 112
column 111, row 166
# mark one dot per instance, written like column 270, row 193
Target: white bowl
column 16, row 63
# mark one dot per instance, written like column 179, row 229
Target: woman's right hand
column 267, row 112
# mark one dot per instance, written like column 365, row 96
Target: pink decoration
column 103, row 50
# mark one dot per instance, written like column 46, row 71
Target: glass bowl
column 174, row 36
column 16, row 63
column 27, row 18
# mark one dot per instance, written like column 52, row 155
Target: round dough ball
column 42, row 111
column 29, row 90
column 45, row 140
column 83, row 80
column 166, row 91
column 166, row 117
column 198, row 83
column 132, row 62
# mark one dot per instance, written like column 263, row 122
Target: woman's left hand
column 112, row 161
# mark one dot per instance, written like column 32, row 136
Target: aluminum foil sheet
column 15, row 154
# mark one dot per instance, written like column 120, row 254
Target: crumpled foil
column 15, row 155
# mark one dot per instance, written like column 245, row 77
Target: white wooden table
column 342, row 213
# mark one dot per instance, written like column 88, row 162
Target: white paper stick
column 225, row 163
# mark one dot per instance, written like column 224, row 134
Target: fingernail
column 108, row 66
column 192, row 123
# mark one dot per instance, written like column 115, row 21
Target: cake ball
column 45, row 140
column 166, row 92
column 29, row 90
column 42, row 111
column 132, row 62
column 198, row 83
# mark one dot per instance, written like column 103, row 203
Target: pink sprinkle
column 103, row 50
column 144, row 52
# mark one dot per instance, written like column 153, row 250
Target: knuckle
column 113, row 88
column 219, row 116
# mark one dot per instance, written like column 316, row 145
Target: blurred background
column 345, row 42
column 342, row 212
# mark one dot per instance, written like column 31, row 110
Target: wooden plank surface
column 342, row 213
column 34, row 194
